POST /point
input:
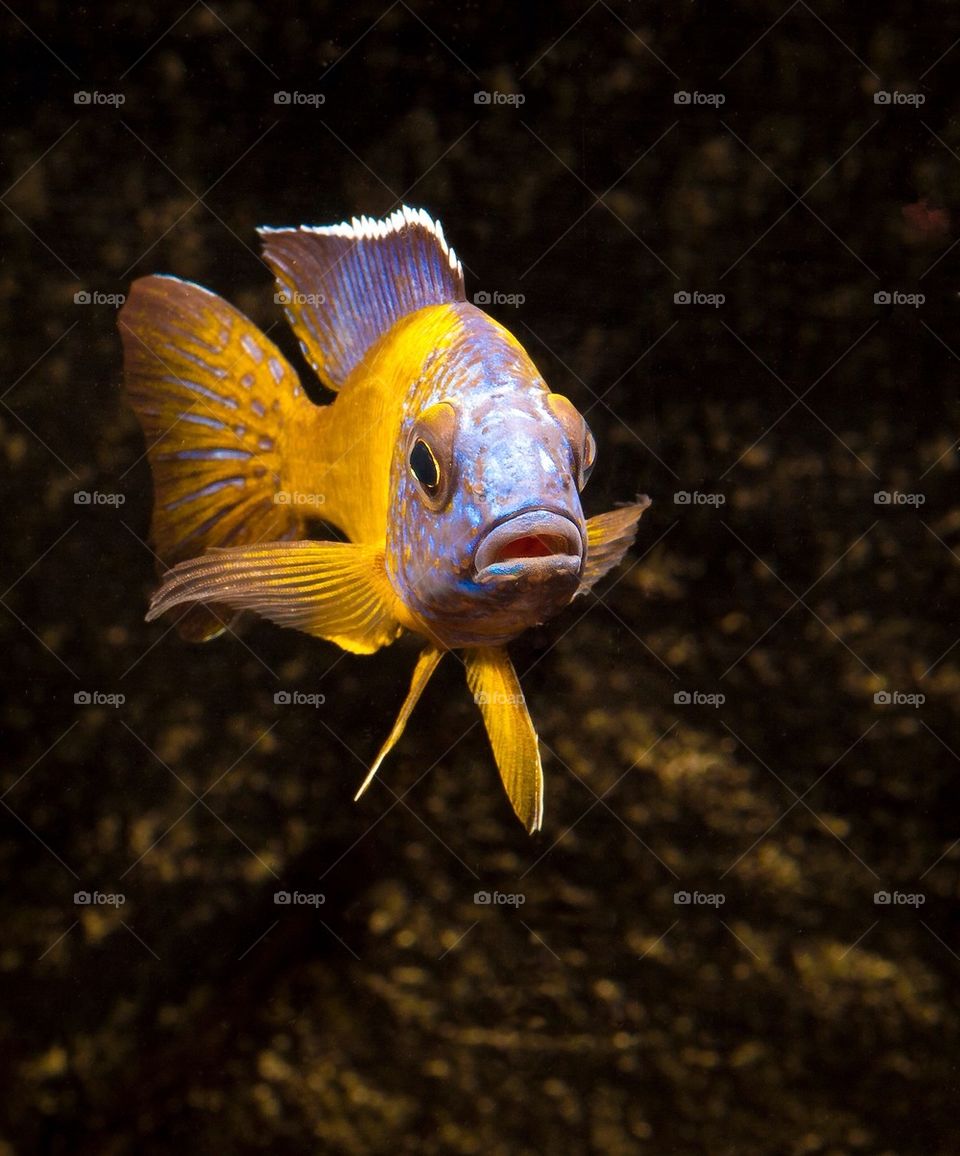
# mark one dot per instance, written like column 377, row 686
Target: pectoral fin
column 426, row 665
column 334, row 590
column 493, row 681
column 609, row 537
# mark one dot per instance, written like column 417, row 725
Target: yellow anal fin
column 609, row 537
column 334, row 590
column 426, row 665
column 493, row 681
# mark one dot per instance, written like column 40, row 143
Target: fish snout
column 535, row 544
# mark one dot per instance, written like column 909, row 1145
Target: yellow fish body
column 444, row 458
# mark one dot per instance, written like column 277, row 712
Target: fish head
column 487, row 535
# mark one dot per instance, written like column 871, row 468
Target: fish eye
column 431, row 453
column 589, row 457
column 583, row 446
column 425, row 467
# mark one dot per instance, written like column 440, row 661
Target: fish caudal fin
column 344, row 286
column 215, row 399
column 609, row 537
column 493, row 681
column 334, row 590
column 426, row 665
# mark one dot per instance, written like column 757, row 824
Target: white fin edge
column 370, row 228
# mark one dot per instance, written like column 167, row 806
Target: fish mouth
column 535, row 544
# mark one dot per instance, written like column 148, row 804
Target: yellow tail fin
column 217, row 401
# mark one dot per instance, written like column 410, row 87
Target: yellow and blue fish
column 444, row 459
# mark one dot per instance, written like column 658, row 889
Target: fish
column 448, row 469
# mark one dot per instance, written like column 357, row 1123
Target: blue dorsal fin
column 344, row 286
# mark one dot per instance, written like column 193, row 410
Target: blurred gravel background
column 600, row 1016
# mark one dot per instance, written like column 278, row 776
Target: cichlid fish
column 444, row 459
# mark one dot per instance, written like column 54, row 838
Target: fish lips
column 535, row 545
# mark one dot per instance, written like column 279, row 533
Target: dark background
column 799, row 1017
